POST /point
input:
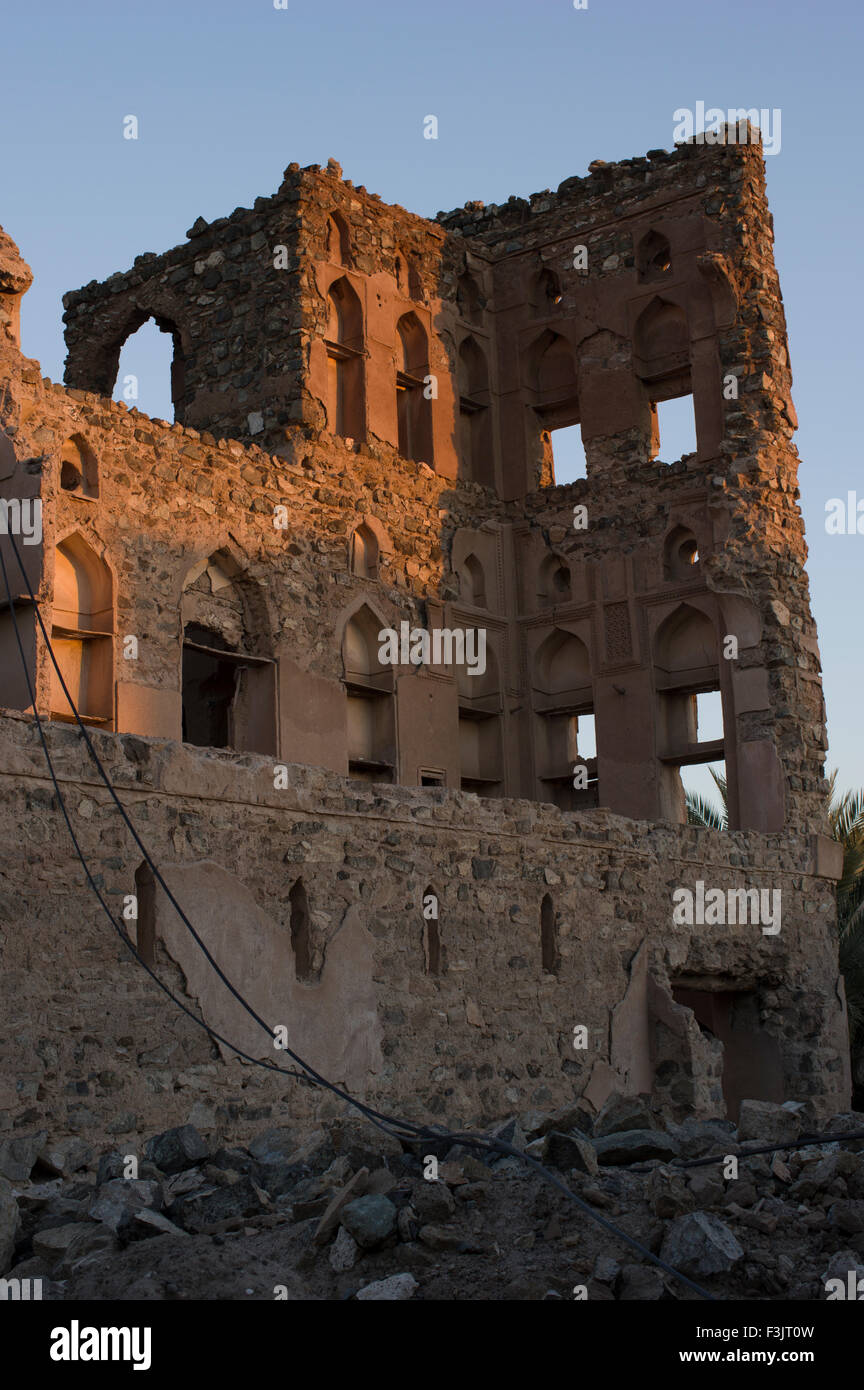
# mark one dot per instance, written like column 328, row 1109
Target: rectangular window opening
column 709, row 716
column 675, row 429
column 569, row 463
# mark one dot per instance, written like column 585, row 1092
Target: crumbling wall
column 90, row 1040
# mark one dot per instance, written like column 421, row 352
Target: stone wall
column 90, row 1041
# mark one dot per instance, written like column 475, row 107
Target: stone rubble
column 346, row 1212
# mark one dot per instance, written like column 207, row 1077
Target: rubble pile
column 347, row 1211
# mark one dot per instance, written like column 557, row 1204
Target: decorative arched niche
column 337, row 240
column 480, row 734
column 475, row 416
column 469, row 298
column 554, row 581
column 228, row 675
column 563, row 703
column 82, row 633
column 79, row 473
column 369, row 546
column 681, row 554
column 344, row 343
column 413, row 407
column 472, row 582
column 653, row 256
column 369, row 688
column 686, row 676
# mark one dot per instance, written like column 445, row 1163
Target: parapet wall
column 484, row 1028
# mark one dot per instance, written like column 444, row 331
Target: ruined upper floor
column 366, row 412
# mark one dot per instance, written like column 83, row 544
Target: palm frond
column 722, row 787
column 701, row 811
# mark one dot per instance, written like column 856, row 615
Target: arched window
column 301, row 934
column 475, row 417
column 563, row 665
column 661, row 334
column 473, row 582
column 364, row 552
column 413, row 409
column 228, row 674
column 369, row 689
column 661, row 356
column 78, row 469
column 147, row 362
column 338, row 239
column 344, row 342
column 82, row 633
column 468, row 298
column 554, row 583
column 690, row 707
column 432, row 954
column 480, row 747
column 680, row 554
column 555, row 369
column 653, row 256
column 545, row 291
column 548, row 937
column 564, row 722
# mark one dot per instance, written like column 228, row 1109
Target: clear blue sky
column 526, row 93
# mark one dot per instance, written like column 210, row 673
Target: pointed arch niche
column 337, row 240
column 228, row 672
column 661, row 356
column 563, row 698
column 82, row 634
column 369, row 689
column 686, row 670
column 346, row 410
column 480, row 734
column 79, row 472
column 475, row 416
column 554, row 581
column 369, row 546
column 413, row 410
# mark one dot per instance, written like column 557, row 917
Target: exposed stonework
column 364, row 402
column 491, row 1031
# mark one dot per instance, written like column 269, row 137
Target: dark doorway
column 209, row 687
column 752, row 1064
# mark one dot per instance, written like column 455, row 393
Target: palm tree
column 846, row 817
column 846, row 820
column 701, row 811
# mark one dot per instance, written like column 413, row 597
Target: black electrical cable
column 806, row 1141
column 410, row 1131
column 124, row 936
column 322, row 1081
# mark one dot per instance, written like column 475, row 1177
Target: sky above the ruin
column 526, row 92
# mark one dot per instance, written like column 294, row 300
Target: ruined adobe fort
column 365, row 402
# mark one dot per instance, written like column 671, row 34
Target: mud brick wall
column 90, row 1040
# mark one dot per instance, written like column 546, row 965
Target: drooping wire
column 406, row 1131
